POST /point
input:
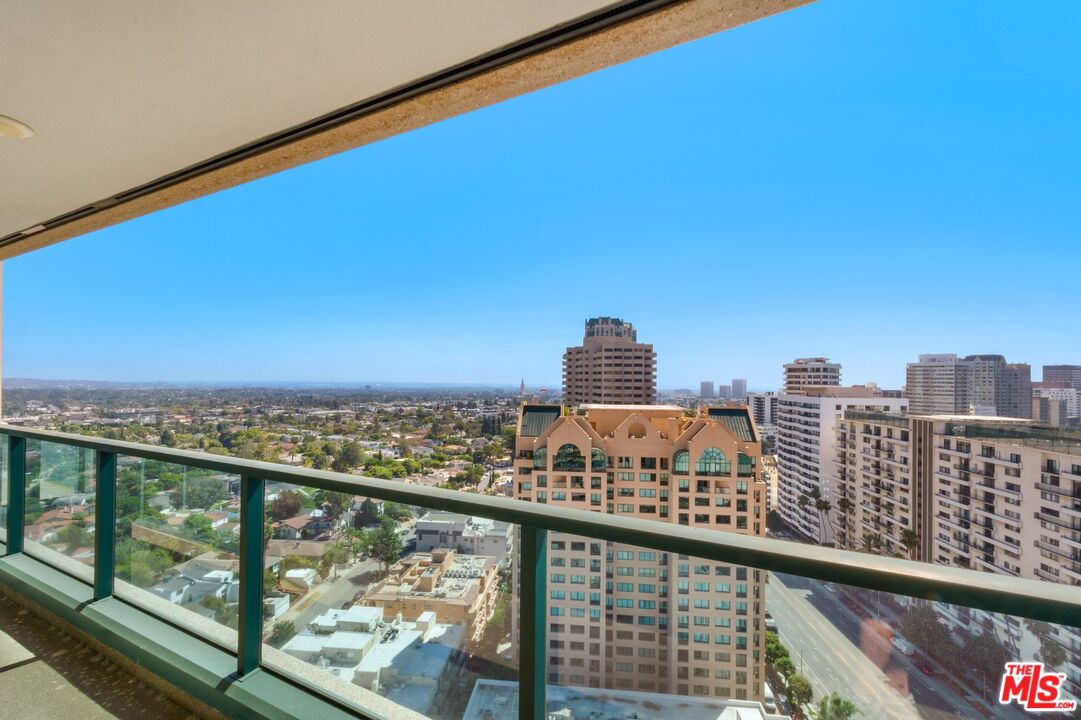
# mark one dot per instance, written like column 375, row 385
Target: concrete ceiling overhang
column 141, row 104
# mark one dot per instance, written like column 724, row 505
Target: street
column 826, row 657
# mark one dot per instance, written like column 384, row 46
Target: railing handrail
column 1033, row 599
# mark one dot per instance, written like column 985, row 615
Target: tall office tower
column 624, row 617
column 810, row 372
column 610, row 366
column 1069, row 374
column 724, row 391
column 806, row 454
column 1015, row 392
column 739, row 389
column 705, row 389
column 939, row 384
column 973, row 385
column 763, row 407
column 992, row 494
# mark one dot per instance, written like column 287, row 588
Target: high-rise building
column 610, row 366
column 810, row 372
column 705, row 389
column 973, row 385
column 806, row 435
column 724, row 391
column 1069, row 374
column 992, row 494
column 1056, row 403
column 939, row 384
column 763, row 407
column 629, row 618
column 739, row 389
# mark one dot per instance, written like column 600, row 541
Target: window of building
column 681, row 463
column 712, row 461
column 569, row 457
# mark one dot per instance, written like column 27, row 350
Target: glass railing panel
column 177, row 544
column 637, row 632
column 384, row 605
column 60, row 516
column 655, row 635
column 894, row 656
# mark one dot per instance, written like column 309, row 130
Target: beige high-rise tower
column 610, row 367
column 629, row 618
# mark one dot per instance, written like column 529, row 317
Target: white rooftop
column 498, row 699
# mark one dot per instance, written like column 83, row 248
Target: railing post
column 104, row 523
column 532, row 624
column 250, row 627
column 16, row 494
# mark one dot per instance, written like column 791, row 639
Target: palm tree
column 870, row 542
column 823, row 507
column 911, row 540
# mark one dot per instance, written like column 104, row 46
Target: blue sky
column 865, row 181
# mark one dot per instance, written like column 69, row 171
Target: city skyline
column 880, row 216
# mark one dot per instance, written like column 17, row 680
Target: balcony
column 87, row 596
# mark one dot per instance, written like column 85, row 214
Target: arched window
column 637, row 430
column 540, row 458
column 745, row 467
column 569, row 457
column 600, row 460
column 681, row 463
column 713, row 462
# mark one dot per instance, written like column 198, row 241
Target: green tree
column 282, row 633
column 922, row 626
column 836, row 707
column 911, row 540
column 222, row 612
column 800, row 691
column 386, row 544
column 286, row 505
column 986, row 654
column 199, row 525
column 398, row 511
column 202, row 492
column 785, row 667
column 74, row 536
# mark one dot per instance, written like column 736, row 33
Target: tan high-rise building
column 610, row 367
column 810, row 372
column 624, row 617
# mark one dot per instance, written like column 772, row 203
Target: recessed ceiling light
column 12, row 128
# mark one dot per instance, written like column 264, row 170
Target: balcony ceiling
column 125, row 92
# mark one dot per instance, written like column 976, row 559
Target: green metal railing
column 1033, row 599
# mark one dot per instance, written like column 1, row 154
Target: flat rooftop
column 498, row 700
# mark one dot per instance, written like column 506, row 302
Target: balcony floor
column 45, row 673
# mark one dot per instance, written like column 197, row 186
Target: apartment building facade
column 622, row 617
column 610, row 366
column 945, row 384
column 995, row 494
column 806, row 452
column 810, row 372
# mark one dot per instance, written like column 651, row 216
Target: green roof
column 537, row 418
column 738, row 421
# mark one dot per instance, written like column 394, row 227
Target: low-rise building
column 496, row 699
column 459, row 589
column 411, row 663
column 465, row 535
